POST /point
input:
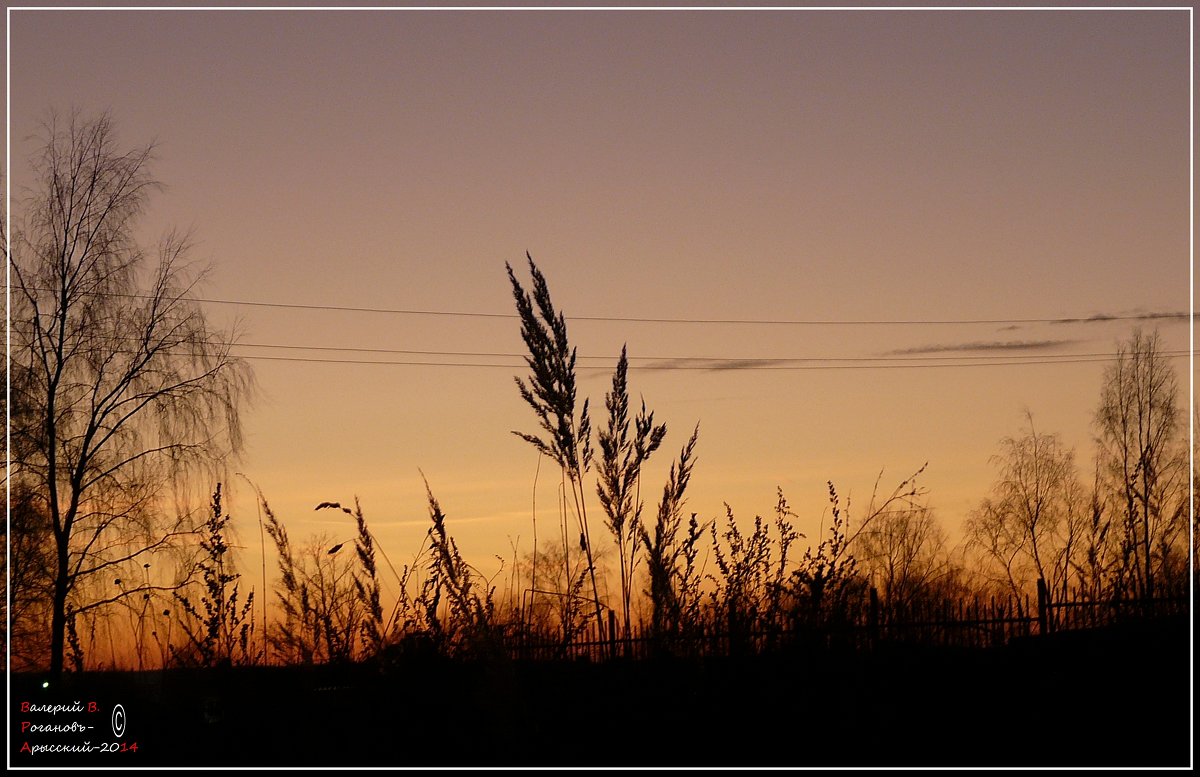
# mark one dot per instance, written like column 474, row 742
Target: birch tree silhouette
column 1144, row 459
column 129, row 387
column 1033, row 524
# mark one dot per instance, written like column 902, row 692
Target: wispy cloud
column 716, row 365
column 1103, row 317
column 991, row 345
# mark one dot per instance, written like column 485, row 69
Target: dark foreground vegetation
column 1114, row 696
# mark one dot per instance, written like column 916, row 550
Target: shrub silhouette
column 219, row 629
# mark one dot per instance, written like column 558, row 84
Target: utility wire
column 700, row 360
column 644, row 320
column 668, row 362
column 753, row 366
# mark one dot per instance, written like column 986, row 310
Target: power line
column 661, row 363
column 717, row 321
column 738, row 366
column 665, row 362
column 646, row 320
column 701, row 362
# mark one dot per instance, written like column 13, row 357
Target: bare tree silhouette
column 1033, row 524
column 905, row 553
column 1144, row 461
column 128, row 386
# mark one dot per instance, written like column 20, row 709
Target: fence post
column 1043, row 607
column 612, row 634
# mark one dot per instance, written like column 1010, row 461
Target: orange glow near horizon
column 991, row 167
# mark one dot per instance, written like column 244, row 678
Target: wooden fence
column 968, row 624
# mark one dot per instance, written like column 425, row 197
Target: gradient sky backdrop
column 837, row 166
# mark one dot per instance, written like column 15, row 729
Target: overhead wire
column 680, row 320
column 694, row 363
column 1066, row 359
column 702, row 363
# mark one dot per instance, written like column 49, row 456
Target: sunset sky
column 909, row 202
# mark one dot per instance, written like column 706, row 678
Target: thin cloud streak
column 1100, row 318
column 719, row 365
column 994, row 345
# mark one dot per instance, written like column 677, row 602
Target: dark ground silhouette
column 1118, row 696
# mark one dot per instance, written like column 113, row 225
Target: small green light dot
column 46, row 684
